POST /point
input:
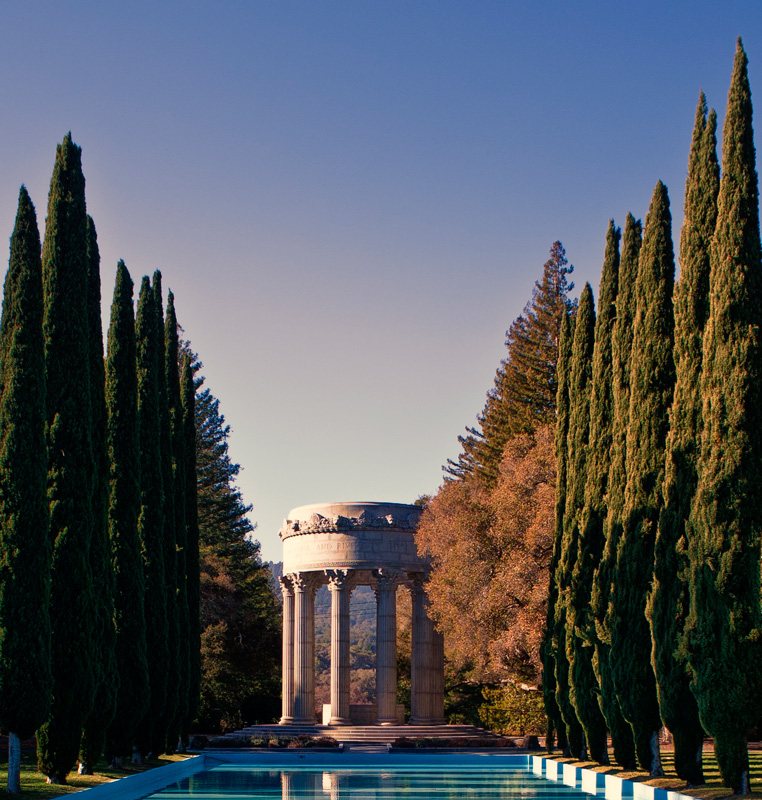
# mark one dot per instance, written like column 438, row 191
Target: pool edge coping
column 600, row 784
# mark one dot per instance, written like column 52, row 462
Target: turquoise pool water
column 232, row 781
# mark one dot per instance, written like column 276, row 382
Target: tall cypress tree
column 123, row 512
column 621, row 351
column 104, row 634
column 188, row 389
column 725, row 615
column 669, row 599
column 555, row 720
column 70, row 463
column 585, row 690
column 25, row 551
column 564, row 456
column 151, row 519
column 172, row 371
column 163, row 725
column 582, row 700
column 652, row 379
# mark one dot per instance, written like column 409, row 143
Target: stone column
column 339, row 586
column 386, row 645
column 304, row 647
column 427, row 661
column 287, row 587
column 437, row 677
column 420, row 654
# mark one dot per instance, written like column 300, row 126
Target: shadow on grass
column 711, row 790
column 34, row 787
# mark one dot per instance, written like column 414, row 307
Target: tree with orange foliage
column 491, row 550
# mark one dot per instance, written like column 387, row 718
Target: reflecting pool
column 230, row 781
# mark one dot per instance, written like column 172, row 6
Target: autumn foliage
column 491, row 550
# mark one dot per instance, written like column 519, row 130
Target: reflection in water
column 235, row 782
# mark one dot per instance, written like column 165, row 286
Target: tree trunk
column 84, row 769
column 116, row 762
column 14, row 763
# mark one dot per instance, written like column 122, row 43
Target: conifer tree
column 524, row 395
column 123, row 512
column 25, row 551
column 151, row 519
column 725, row 614
column 172, row 370
column 555, row 720
column 70, row 463
column 576, row 446
column 574, row 734
column 582, row 637
column 669, row 599
column 188, row 389
column 163, row 724
column 621, row 350
column 652, row 378
column 104, row 632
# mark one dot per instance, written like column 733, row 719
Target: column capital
column 417, row 581
column 386, row 579
column 304, row 582
column 286, row 584
column 338, row 579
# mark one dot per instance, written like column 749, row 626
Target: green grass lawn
column 33, row 786
column 711, row 790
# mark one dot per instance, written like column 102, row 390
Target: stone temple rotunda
column 345, row 545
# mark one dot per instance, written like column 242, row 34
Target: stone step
column 367, row 733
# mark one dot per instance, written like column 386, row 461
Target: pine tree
column 172, row 370
column 123, row 512
column 652, row 378
column 725, row 614
column 555, row 720
column 25, row 551
column 104, row 657
column 576, row 448
column 151, row 519
column 163, row 724
column 621, row 350
column 582, row 638
column 524, row 395
column 188, row 388
column 70, row 463
column 669, row 599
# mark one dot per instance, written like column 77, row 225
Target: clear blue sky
column 351, row 200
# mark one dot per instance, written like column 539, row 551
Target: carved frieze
column 318, row 523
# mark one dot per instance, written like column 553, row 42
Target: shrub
column 510, row 709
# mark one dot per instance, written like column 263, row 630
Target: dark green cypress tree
column 151, row 519
column 577, row 447
column 188, row 389
column 725, row 615
column 162, row 726
column 621, row 350
column 574, row 734
column 25, row 551
column 585, row 690
column 70, row 463
column 123, row 512
column 556, row 723
column 104, row 638
column 669, row 599
column 172, row 371
column 652, row 380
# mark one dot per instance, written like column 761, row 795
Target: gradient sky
column 352, row 200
